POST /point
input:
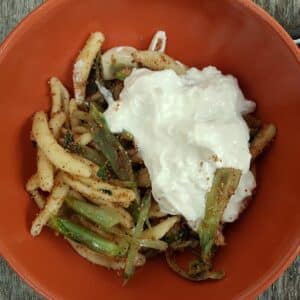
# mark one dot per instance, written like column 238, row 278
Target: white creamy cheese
column 185, row 127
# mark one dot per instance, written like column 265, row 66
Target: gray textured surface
column 287, row 12
column 13, row 288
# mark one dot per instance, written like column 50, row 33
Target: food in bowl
column 149, row 157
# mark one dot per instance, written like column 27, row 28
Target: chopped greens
column 106, row 217
column 109, row 146
column 224, row 185
column 134, row 247
column 80, row 234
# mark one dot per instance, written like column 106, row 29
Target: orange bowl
column 234, row 35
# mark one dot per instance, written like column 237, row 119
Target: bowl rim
column 258, row 286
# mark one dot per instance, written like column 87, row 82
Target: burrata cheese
column 185, row 127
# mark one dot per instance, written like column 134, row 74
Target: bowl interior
column 232, row 35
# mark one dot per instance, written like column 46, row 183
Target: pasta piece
column 84, row 64
column 45, row 171
column 60, row 96
column 99, row 192
column 80, row 129
column 158, row 61
column 56, row 123
column 53, row 204
column 116, row 58
column 112, row 193
column 56, row 95
column 159, row 42
column 32, row 187
column 159, row 230
column 72, row 110
column 84, row 139
column 33, row 183
column 54, row 152
column 96, row 197
column 38, row 198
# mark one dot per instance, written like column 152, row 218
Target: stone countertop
column 287, row 287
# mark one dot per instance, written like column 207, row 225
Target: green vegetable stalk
column 109, row 146
column 106, row 217
column 263, row 138
column 84, row 151
column 88, row 153
column 202, row 273
column 80, row 234
column 224, row 185
column 134, row 246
